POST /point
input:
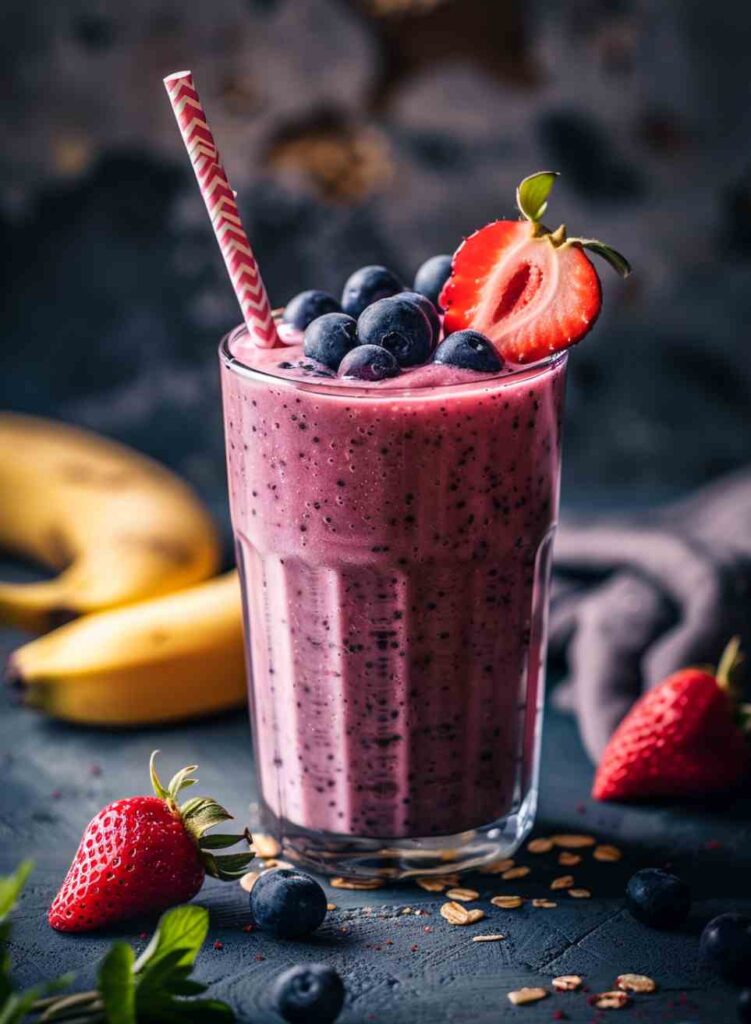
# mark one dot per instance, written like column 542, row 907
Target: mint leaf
column 11, row 886
column 183, row 928
column 117, row 985
column 219, row 841
column 618, row 262
column 532, row 194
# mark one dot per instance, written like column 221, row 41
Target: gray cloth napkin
column 635, row 599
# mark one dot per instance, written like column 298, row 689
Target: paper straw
column 220, row 202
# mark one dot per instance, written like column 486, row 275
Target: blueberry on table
column 469, row 350
column 432, row 276
column 366, row 285
column 309, row 994
column 658, row 898
column 368, row 362
column 307, row 306
column 744, row 1006
column 287, row 903
column 329, row 338
column 399, row 325
column 428, row 309
column 726, row 947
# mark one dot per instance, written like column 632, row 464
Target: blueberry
column 432, row 276
column 744, row 1006
column 657, row 898
column 368, row 362
column 329, row 338
column 468, row 350
column 308, row 994
column 399, row 325
column 428, row 309
column 726, row 947
column 307, row 306
column 366, row 285
column 287, row 903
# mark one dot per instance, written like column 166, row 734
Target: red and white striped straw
column 220, row 202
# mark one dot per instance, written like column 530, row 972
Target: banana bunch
column 132, row 546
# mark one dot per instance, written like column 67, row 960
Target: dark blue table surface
column 55, row 777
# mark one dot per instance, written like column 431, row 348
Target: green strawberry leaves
column 117, row 985
column 532, row 194
column 618, row 262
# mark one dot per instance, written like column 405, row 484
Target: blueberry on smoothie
column 726, row 947
column 308, row 306
column 658, row 898
column 428, row 309
column 329, row 338
column 309, row 994
column 366, row 285
column 432, row 276
column 469, row 350
column 399, row 325
column 369, row 362
column 744, row 1006
column 287, row 903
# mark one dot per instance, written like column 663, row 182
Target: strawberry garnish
column 531, row 291
column 143, row 854
column 686, row 737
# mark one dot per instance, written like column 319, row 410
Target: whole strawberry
column 144, row 854
column 686, row 737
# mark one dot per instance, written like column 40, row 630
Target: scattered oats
column 569, row 860
column 331, row 906
column 610, row 1000
column 544, row 904
column 455, row 913
column 431, row 884
column 265, row 846
column 520, row 872
column 607, row 853
column 580, row 894
column 488, row 938
column 564, row 882
column 527, row 995
column 573, row 842
column 540, row 845
column 406, row 910
column 507, row 902
column 636, row 983
column 249, row 880
column 497, row 867
column 464, row 895
column 272, row 862
column 357, row 883
column 567, row 983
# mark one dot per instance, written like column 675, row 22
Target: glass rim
column 236, row 366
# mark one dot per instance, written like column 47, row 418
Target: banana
column 159, row 660
column 117, row 526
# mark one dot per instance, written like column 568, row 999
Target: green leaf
column 618, row 262
column 181, row 780
column 11, row 886
column 159, row 978
column 117, row 984
column 227, row 868
column 183, row 928
column 220, row 841
column 532, row 194
column 156, row 782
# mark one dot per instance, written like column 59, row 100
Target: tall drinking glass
column 394, row 548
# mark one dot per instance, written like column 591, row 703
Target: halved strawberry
column 531, row 291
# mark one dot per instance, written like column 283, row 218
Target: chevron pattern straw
column 220, row 202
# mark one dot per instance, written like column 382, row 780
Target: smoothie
column 394, row 538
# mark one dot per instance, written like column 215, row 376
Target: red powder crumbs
column 218, row 945
column 713, row 844
column 56, row 794
column 259, row 957
column 414, row 949
column 248, row 927
column 559, row 1015
column 389, row 942
column 427, row 929
column 143, row 936
column 580, row 809
column 95, row 769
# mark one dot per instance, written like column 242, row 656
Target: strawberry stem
column 730, row 659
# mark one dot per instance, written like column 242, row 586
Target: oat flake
column 567, row 983
column 542, row 845
column 527, row 995
column 610, row 1000
column 564, row 882
column 573, row 842
column 607, row 853
column 463, row 895
column 636, row 983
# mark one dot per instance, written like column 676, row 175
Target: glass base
column 331, row 853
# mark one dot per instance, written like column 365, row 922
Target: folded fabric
column 636, row 598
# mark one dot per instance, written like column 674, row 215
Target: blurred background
column 364, row 131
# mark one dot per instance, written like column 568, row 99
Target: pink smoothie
column 394, row 538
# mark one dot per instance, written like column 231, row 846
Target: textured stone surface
column 52, row 786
